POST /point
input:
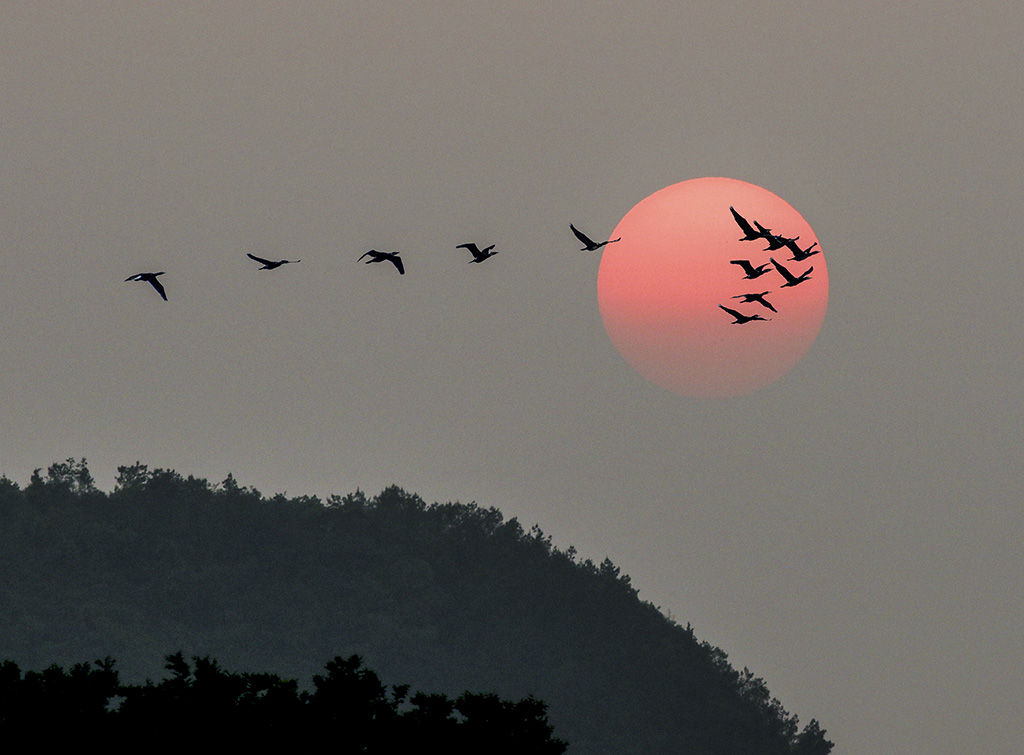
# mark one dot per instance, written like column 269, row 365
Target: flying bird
column 479, row 255
column 741, row 318
column 751, row 271
column 749, row 234
column 759, row 298
column 391, row 257
column 799, row 255
column 791, row 280
column 589, row 245
column 776, row 242
column 270, row 264
column 149, row 278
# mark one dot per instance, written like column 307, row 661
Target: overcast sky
column 851, row 533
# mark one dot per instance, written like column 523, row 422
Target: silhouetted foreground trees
column 445, row 597
column 349, row 707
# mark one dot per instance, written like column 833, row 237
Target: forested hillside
column 445, row 597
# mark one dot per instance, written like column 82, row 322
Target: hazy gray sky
column 851, row 533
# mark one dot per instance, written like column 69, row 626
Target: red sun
column 660, row 287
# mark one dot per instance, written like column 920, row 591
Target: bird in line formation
column 479, row 255
column 589, row 245
column 750, row 233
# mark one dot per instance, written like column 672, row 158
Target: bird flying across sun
column 151, row 279
column 479, row 255
column 749, row 234
column 270, row 264
column 742, row 319
column 759, row 298
column 766, row 233
column 791, row 280
column 776, row 242
column 751, row 271
column 391, row 257
column 589, row 245
column 799, row 255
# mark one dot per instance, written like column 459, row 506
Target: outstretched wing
column 783, row 271
column 581, row 236
column 741, row 221
column 745, row 264
column 258, row 259
column 372, row 253
column 473, row 248
column 398, row 263
column 159, row 288
column 732, row 312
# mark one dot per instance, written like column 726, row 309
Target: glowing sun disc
column 660, row 287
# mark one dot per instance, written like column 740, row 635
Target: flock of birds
column 750, row 233
column 479, row 255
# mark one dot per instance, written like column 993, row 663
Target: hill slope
column 446, row 597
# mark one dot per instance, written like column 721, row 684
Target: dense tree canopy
column 348, row 705
column 444, row 597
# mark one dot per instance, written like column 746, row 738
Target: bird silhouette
column 589, row 245
column 479, row 255
column 751, row 271
column 270, row 264
column 742, row 319
column 759, row 298
column 749, row 234
column 791, row 280
column 799, row 255
column 151, row 279
column 776, row 242
column 391, row 257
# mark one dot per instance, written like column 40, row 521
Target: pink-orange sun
column 660, row 287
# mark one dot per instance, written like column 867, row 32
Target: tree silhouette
column 349, row 707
